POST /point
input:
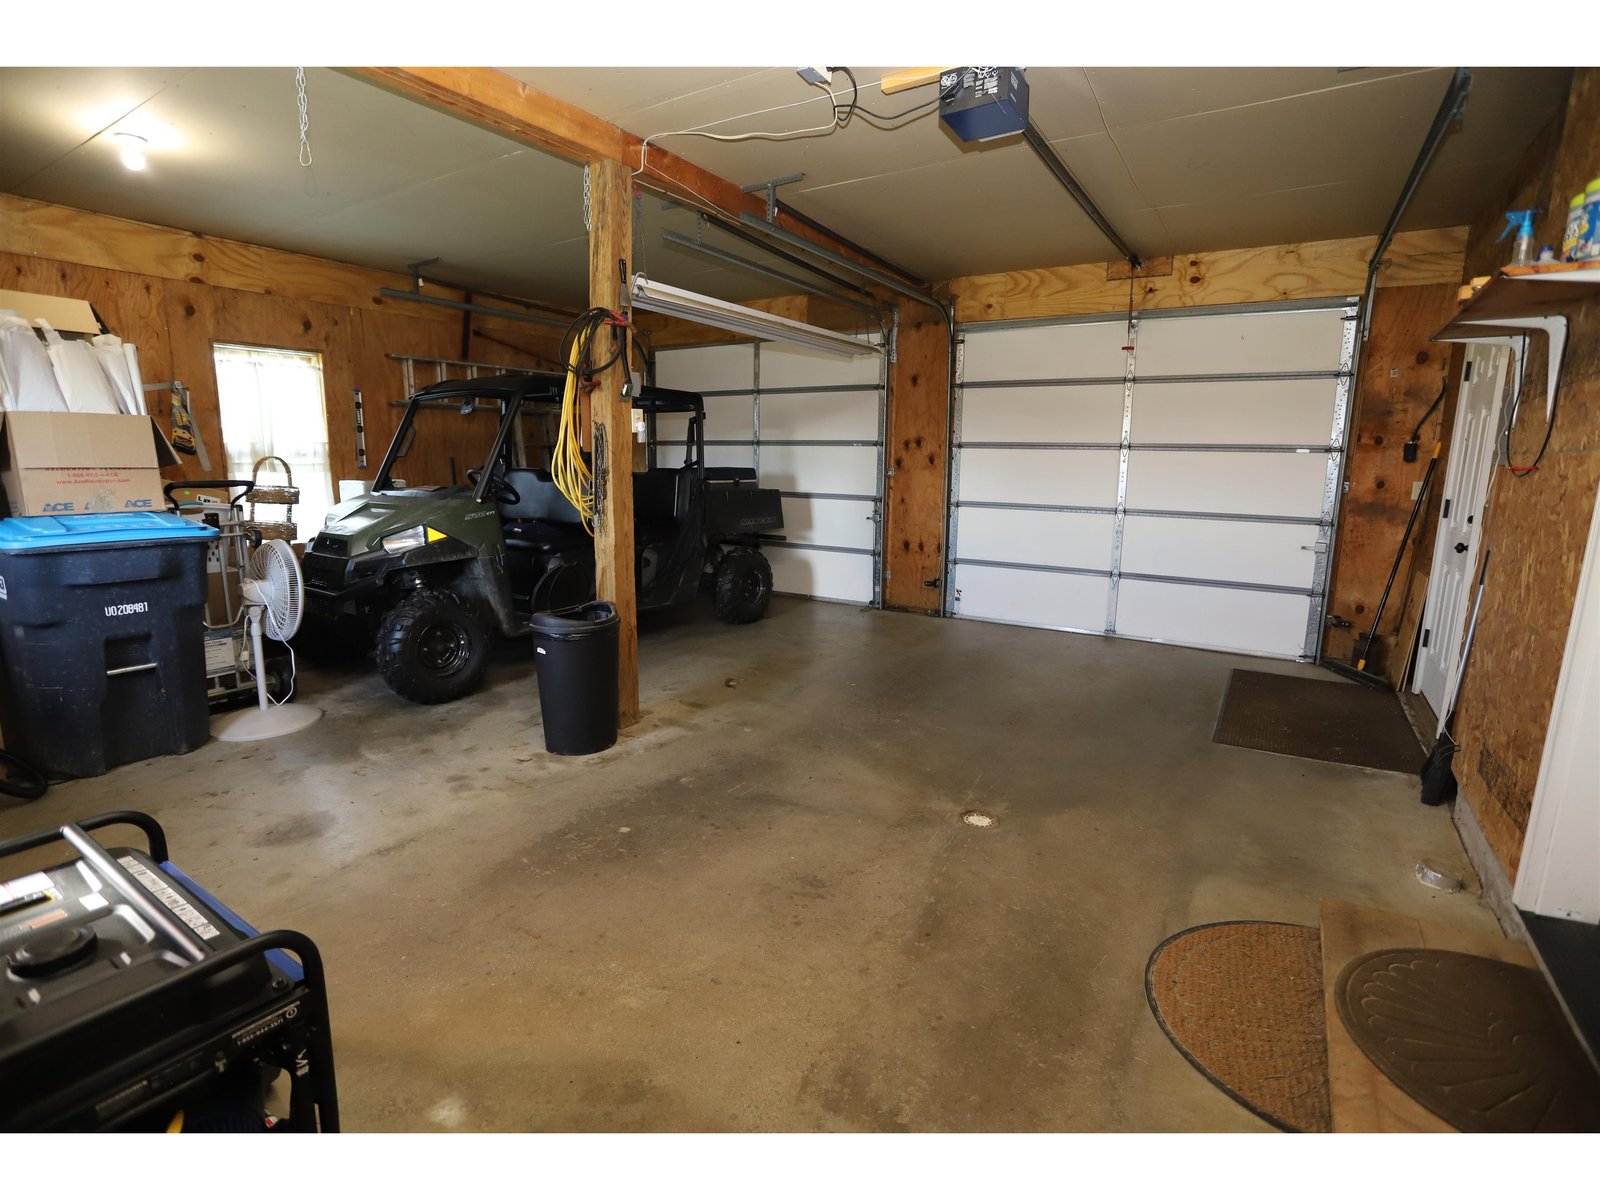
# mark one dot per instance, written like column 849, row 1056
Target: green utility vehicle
column 429, row 576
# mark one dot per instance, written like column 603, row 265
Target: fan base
column 258, row 724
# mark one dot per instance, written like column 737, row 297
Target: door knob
column 1461, row 547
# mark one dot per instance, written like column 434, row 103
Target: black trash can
column 576, row 655
column 102, row 639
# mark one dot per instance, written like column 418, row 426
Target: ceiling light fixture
column 720, row 314
column 131, row 146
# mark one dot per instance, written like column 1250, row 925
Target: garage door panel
column 1091, row 351
column 672, row 427
column 1219, row 618
column 707, row 368
column 821, row 573
column 729, row 456
column 1031, row 597
column 791, row 366
column 851, row 469
column 1285, row 412
column 1250, row 343
column 1246, row 552
column 1040, row 476
column 1042, row 414
column 845, row 416
column 797, row 403
column 730, row 418
column 1218, row 481
column 829, row 522
column 1048, row 538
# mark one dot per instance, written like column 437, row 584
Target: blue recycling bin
column 102, row 628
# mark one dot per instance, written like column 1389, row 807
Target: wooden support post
column 610, row 244
column 919, row 409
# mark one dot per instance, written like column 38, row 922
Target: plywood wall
column 176, row 294
column 1538, row 523
column 1401, row 375
column 1250, row 276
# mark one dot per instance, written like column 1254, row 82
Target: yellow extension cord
column 567, row 468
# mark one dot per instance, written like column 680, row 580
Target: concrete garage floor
column 761, row 910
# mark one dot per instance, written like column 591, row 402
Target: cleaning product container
column 1589, row 245
column 1572, row 235
column 575, row 653
column 102, row 639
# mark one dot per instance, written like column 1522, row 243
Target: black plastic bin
column 576, row 653
column 102, row 639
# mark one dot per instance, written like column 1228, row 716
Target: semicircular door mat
column 1243, row 1002
column 1478, row 1042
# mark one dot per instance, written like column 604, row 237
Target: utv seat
column 538, row 499
column 660, row 497
column 542, row 518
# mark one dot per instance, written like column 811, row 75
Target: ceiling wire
column 841, row 117
column 1100, row 111
column 771, row 135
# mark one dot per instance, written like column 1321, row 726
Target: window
column 271, row 403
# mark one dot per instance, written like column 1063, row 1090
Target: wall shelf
column 1520, row 301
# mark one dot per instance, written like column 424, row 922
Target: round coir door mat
column 1243, row 1002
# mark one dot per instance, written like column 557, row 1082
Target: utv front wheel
column 433, row 647
column 743, row 587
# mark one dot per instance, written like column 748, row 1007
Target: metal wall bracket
column 1553, row 327
column 770, row 187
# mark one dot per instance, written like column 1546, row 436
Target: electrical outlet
column 822, row 75
column 1416, row 489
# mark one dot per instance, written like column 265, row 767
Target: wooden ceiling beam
column 497, row 101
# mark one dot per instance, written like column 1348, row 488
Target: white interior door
column 1560, row 871
column 1457, row 541
column 812, row 426
column 1180, row 492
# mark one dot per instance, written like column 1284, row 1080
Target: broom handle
column 1466, row 649
column 1405, row 540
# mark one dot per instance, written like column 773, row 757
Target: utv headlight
column 408, row 539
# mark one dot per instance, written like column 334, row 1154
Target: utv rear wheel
column 433, row 647
column 743, row 587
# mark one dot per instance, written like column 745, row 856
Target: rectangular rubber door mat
column 1324, row 719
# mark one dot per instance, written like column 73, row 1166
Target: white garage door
column 1177, row 481
column 812, row 427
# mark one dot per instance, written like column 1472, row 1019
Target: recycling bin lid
column 22, row 534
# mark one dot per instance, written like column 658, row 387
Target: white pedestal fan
column 273, row 597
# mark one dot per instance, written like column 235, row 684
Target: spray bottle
column 1522, row 221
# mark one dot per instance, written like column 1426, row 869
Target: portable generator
column 133, row 999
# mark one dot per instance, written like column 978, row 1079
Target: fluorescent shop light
column 131, row 147
column 708, row 310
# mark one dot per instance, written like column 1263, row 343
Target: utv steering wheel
column 504, row 493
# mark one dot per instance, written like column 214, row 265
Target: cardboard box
column 55, row 464
column 65, row 314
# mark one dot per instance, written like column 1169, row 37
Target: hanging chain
column 586, row 226
column 305, row 117
column 1132, row 271
column 640, row 255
